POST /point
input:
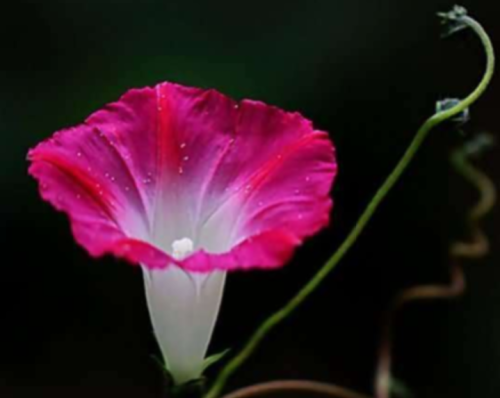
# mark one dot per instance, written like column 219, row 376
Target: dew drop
column 127, row 189
column 79, row 154
column 300, row 216
column 113, row 178
column 297, row 191
column 236, row 106
column 308, row 178
column 186, row 158
column 183, row 145
column 106, row 175
column 181, row 170
column 260, row 204
column 279, row 157
column 78, row 196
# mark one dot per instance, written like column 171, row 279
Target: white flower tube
column 183, row 307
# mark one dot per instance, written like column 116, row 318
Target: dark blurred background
column 369, row 72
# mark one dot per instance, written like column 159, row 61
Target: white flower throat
column 181, row 248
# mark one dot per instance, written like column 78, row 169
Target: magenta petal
column 246, row 183
column 270, row 249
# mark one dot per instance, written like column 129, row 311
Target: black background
column 369, row 72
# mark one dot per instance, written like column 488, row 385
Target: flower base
column 192, row 389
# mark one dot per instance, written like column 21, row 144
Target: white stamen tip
column 182, row 248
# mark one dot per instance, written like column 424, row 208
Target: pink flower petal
column 245, row 182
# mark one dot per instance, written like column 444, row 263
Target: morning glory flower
column 188, row 184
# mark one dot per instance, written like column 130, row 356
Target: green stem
column 382, row 192
column 460, row 159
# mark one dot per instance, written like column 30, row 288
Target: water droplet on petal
column 308, row 178
column 181, row 170
column 127, row 189
column 300, row 216
column 186, row 158
column 297, row 191
column 78, row 196
column 279, row 157
column 79, row 154
column 183, row 145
